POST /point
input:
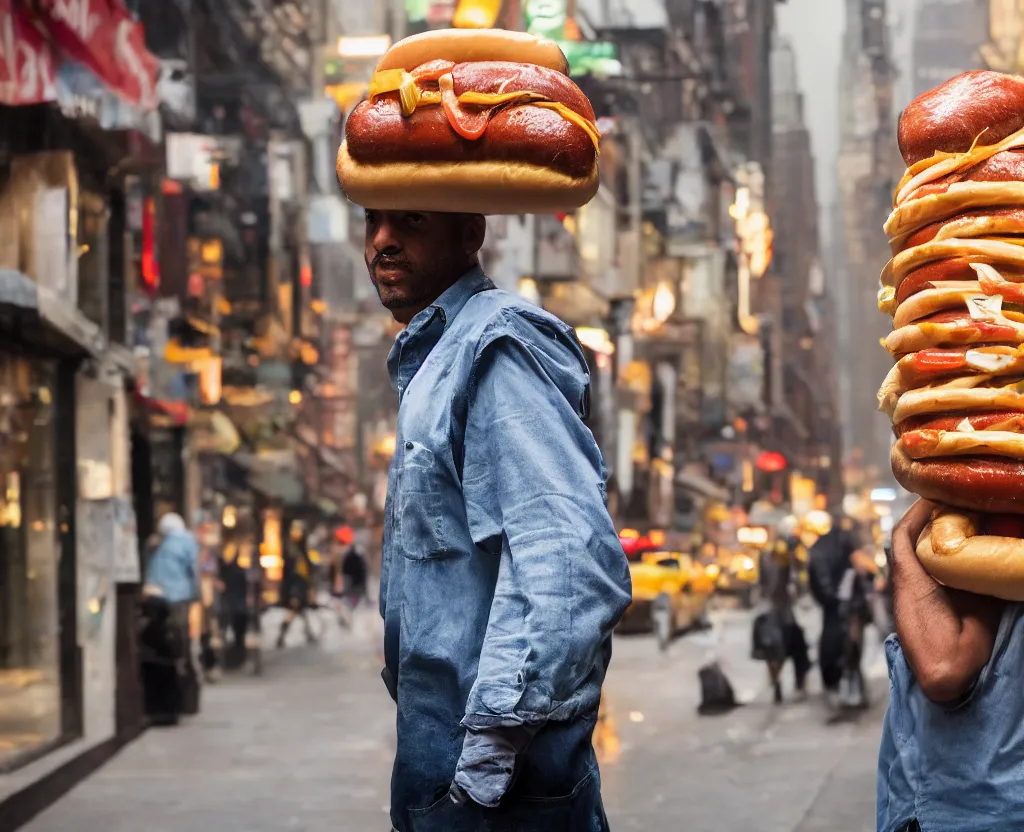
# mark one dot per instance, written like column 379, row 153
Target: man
column 828, row 564
column 502, row 574
column 296, row 583
column 350, row 577
column 233, row 591
column 775, row 575
column 952, row 752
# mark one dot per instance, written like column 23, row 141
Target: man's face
column 412, row 256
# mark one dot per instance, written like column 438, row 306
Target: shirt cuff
column 488, row 762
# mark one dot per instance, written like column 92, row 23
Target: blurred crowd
column 846, row 574
column 195, row 626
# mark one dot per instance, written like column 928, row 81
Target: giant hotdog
column 482, row 121
column 955, row 289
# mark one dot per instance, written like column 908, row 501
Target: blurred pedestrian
column 160, row 652
column 297, row 583
column 502, row 573
column 351, row 578
column 233, row 588
column 952, row 751
column 855, row 612
column 172, row 575
column 776, row 576
column 828, row 563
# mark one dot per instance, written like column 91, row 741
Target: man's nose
column 385, row 236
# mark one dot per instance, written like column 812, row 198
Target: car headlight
column 748, row 564
column 713, row 571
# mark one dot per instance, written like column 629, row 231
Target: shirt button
column 408, row 446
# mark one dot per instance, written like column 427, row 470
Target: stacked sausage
column 955, row 289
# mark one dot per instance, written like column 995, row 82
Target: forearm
column 531, row 663
column 927, row 622
column 945, row 635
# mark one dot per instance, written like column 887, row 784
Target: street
column 308, row 747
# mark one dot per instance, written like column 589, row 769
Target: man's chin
column 402, row 309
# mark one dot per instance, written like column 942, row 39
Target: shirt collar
column 414, row 343
column 458, row 294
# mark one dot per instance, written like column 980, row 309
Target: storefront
column 37, row 695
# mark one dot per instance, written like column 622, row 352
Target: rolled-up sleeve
column 533, row 481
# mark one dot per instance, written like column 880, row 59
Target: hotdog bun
column 463, row 187
column 958, row 551
column 470, row 45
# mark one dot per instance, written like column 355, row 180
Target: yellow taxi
column 670, row 595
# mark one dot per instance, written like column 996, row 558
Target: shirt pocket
column 425, row 519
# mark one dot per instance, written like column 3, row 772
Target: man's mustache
column 388, row 259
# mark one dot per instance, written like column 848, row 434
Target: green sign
column 588, row 57
column 545, row 18
column 417, row 10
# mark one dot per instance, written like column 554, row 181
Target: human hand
column 906, row 533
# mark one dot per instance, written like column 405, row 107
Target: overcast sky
column 815, row 27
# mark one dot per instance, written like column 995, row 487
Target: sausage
column 377, row 132
column 957, row 268
column 503, row 76
column 950, row 421
column 987, row 484
column 983, row 105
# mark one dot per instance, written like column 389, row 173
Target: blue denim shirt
column 959, row 767
column 173, row 567
column 502, row 573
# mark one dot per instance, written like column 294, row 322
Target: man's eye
column 415, row 219
column 371, row 218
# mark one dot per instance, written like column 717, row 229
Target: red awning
column 103, row 37
column 180, row 412
column 26, row 59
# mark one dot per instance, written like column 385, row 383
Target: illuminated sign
column 587, row 57
column 754, row 237
column 476, row 14
column 433, row 14
column 347, row 95
column 753, row 228
column 364, row 46
column 546, row 18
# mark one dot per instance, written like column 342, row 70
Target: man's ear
column 473, row 234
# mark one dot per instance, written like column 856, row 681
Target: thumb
column 909, row 529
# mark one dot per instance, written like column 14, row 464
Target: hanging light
column 664, row 302
column 771, row 462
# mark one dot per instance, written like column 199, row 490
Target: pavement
column 308, row 746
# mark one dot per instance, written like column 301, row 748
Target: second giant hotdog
column 444, row 129
column 955, row 289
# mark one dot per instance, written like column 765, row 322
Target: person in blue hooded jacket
column 502, row 574
column 172, row 575
column 173, row 568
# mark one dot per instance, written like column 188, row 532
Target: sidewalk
column 295, row 749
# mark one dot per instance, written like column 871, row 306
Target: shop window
column 93, row 260
column 29, row 552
